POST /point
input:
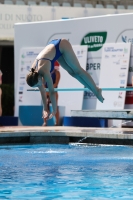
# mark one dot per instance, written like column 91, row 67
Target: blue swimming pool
column 62, row 172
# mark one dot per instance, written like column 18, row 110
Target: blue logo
column 88, row 95
column 122, row 82
column 21, row 88
column 125, row 39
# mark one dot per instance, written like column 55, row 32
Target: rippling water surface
column 62, row 172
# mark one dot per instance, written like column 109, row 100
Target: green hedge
column 7, row 99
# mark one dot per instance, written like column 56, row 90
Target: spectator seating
column 20, row 2
column 130, row 7
column 88, row 5
column 55, row 4
column 66, row 4
column 99, row 6
column 42, row 3
column 109, row 4
column 8, row 2
column 120, row 7
column 77, row 5
column 31, row 3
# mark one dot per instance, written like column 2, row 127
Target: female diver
column 60, row 50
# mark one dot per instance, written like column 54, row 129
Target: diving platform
column 104, row 114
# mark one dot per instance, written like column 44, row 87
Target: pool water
column 62, row 172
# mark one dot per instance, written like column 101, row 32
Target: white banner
column 114, row 74
column 27, row 56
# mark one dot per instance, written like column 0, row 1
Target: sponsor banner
column 125, row 37
column 114, row 74
column 27, row 56
column 94, row 40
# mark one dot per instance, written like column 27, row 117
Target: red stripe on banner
column 129, row 97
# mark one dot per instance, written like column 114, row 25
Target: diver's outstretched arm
column 47, row 77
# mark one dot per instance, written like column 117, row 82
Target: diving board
column 82, row 89
column 104, row 114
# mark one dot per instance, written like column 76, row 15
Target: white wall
column 10, row 14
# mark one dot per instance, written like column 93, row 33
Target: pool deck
column 65, row 135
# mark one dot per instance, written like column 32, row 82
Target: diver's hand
column 47, row 115
column 51, row 115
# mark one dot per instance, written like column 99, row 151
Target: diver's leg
column 57, row 113
column 77, row 71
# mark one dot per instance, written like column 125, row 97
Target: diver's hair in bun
column 32, row 77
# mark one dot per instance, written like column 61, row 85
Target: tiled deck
column 65, row 135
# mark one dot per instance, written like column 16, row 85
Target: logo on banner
column 20, row 99
column 93, row 66
column 113, row 56
column 23, row 56
column 117, row 62
column 80, row 53
column 123, row 68
column 89, row 95
column 94, row 40
column 125, row 61
column 28, row 68
column 125, row 50
column 21, row 88
column 126, row 37
column 22, row 68
column 22, row 82
column 112, row 49
column 31, row 53
column 122, row 74
column 117, row 103
column 122, row 82
column 120, row 96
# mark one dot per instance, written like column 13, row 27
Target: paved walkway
column 65, row 134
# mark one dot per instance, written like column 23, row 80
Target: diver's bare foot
column 99, row 95
column 44, row 124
